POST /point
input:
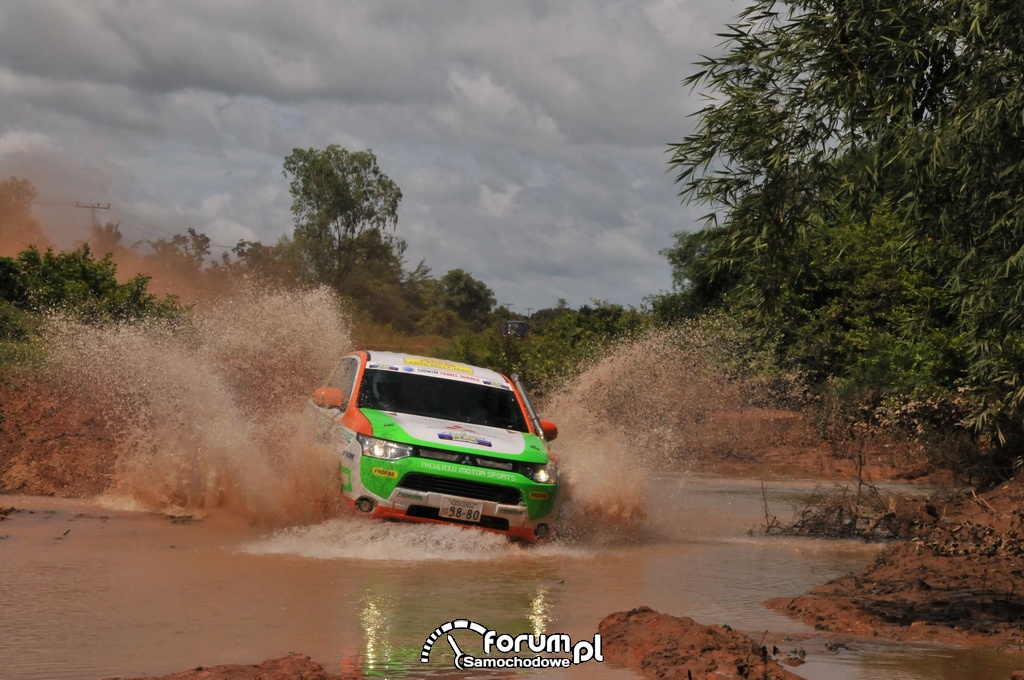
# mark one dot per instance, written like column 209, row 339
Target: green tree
column 469, row 298
column 336, row 196
column 825, row 115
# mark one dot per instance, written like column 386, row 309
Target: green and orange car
column 429, row 440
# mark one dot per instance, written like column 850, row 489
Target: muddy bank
column 669, row 647
column 53, row 442
column 957, row 579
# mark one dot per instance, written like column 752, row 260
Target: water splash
column 352, row 537
column 210, row 415
column 650, row 403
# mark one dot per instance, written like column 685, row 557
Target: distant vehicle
column 516, row 328
column 428, row 440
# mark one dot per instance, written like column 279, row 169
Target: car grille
column 525, row 469
column 486, row 521
column 495, row 493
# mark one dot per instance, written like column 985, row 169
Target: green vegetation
column 345, row 211
column 863, row 165
column 73, row 283
column 559, row 343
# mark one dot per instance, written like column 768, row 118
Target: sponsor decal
column 463, row 437
column 384, row 472
column 438, row 363
column 468, row 471
column 539, row 495
column 346, row 478
column 383, row 367
column 458, row 376
column 523, row 649
column 349, row 455
column 411, row 495
column 492, row 383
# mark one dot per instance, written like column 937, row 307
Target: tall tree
column 471, row 299
column 826, row 113
column 336, row 196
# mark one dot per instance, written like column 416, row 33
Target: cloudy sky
column 529, row 138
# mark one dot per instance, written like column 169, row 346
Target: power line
column 92, row 211
column 135, row 221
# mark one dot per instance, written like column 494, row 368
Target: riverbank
column 958, row 578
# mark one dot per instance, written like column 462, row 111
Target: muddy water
column 89, row 590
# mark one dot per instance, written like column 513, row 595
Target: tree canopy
column 337, row 195
column 863, row 164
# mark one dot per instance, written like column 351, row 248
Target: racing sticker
column 450, row 468
column 437, row 363
column 463, row 437
column 384, row 472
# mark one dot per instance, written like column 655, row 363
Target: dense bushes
column 73, row 283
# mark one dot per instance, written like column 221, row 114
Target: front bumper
column 419, row 506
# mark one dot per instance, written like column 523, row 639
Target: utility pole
column 92, row 211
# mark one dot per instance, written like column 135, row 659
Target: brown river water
column 95, row 589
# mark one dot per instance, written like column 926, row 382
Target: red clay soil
column 959, row 579
column 679, row 648
column 52, row 443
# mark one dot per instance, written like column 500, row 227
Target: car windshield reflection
column 434, row 397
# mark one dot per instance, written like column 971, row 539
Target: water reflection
column 376, row 639
column 540, row 613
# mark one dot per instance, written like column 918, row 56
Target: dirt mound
column 670, row 647
column 959, row 580
column 52, row 444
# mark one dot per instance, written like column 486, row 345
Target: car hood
column 451, row 435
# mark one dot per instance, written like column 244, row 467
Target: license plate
column 460, row 509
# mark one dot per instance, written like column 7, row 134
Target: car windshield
column 424, row 395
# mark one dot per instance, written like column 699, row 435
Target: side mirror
column 329, row 397
column 550, row 430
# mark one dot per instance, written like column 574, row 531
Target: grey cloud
column 528, row 137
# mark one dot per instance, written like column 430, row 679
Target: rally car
column 429, row 440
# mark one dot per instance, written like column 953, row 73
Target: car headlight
column 545, row 474
column 382, row 448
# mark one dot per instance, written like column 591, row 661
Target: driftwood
column 844, row 511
